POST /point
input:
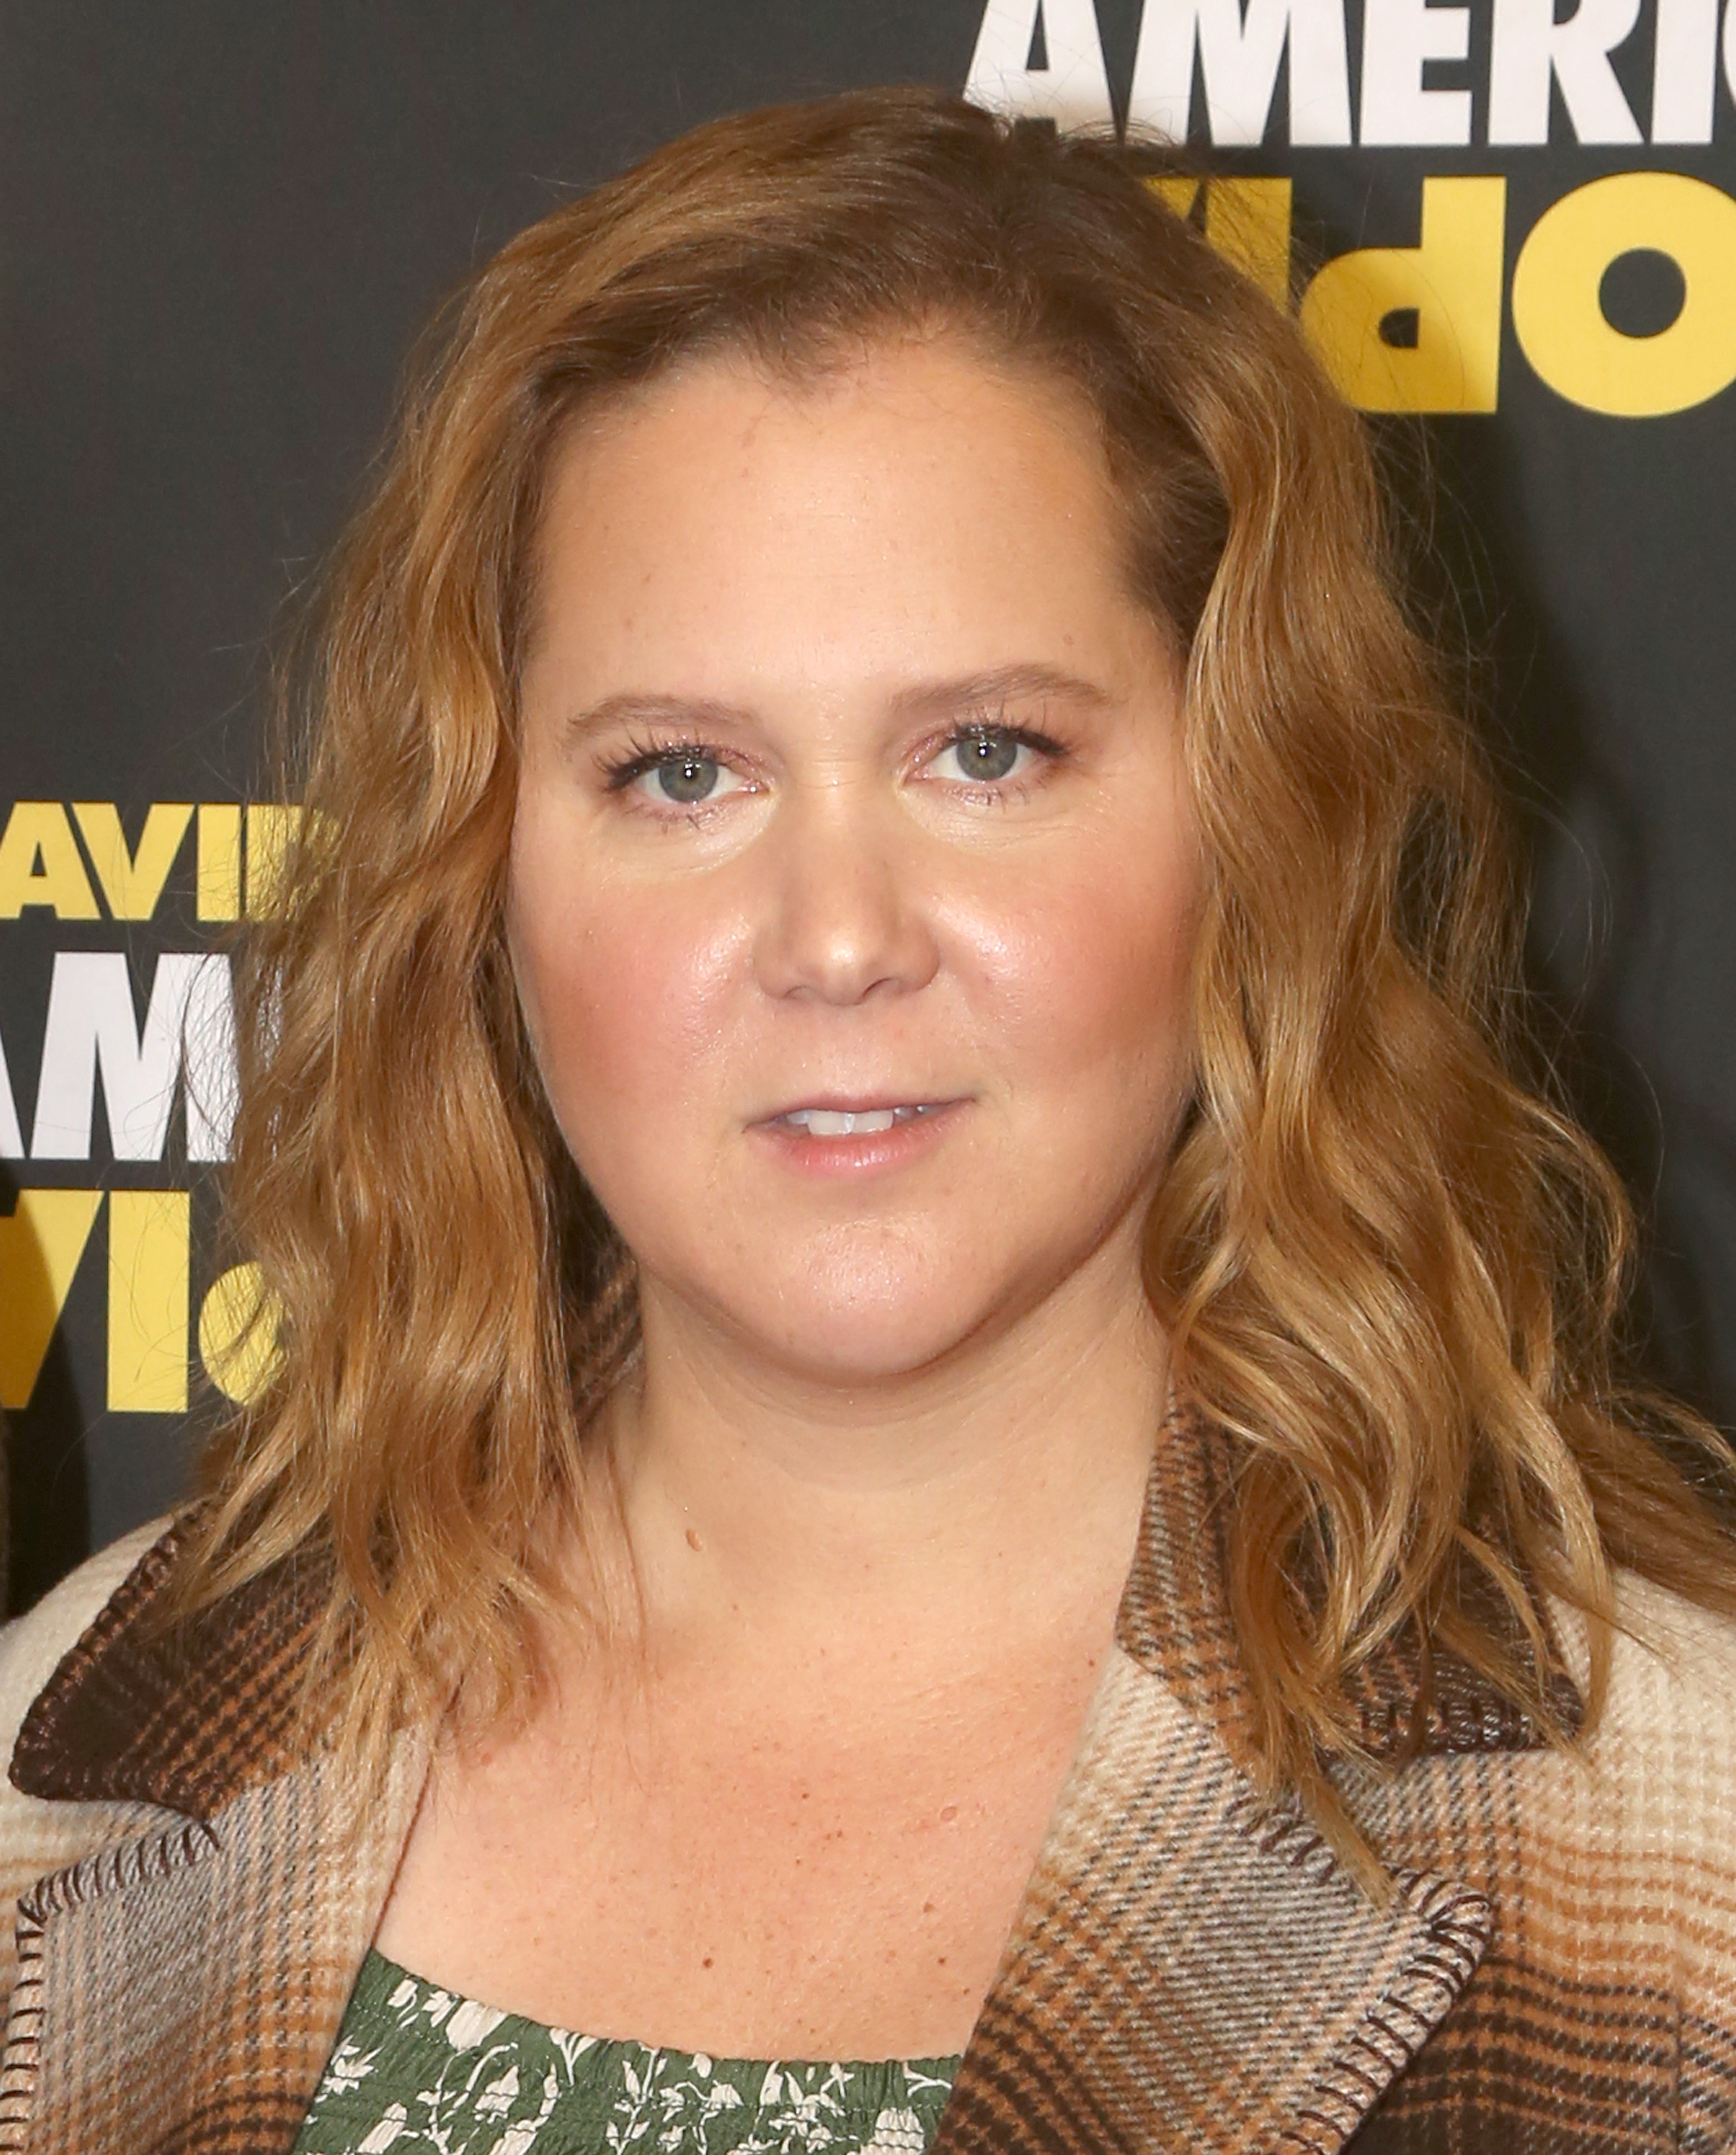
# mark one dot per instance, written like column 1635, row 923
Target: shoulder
column 1650, row 1788
column 32, row 1646
column 1624, row 1838
column 38, row 1836
column 1625, row 1841
column 1670, row 1715
column 1608, row 1984
column 34, row 1833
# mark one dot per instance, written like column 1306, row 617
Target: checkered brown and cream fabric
column 1555, row 1969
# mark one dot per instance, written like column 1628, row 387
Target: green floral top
column 418, row 2072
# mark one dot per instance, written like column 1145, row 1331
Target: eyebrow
column 965, row 692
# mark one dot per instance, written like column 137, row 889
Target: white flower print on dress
column 472, row 2023
column 896, row 2132
column 419, row 2070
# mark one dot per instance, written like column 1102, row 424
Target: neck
column 998, row 1491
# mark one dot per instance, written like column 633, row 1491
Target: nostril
column 841, row 938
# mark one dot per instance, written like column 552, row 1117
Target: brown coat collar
column 188, row 1714
column 1175, row 1621
column 184, row 1713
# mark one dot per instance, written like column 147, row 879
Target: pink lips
column 836, row 1137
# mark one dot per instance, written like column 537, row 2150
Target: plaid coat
column 1556, row 1970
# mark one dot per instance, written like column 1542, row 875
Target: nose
column 845, row 914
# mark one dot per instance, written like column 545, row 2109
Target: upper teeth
column 840, row 1123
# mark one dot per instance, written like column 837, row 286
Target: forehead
column 921, row 476
column 944, row 375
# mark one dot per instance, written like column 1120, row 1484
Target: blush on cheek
column 1103, row 971
column 626, row 1007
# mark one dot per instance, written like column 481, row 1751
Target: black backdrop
column 221, row 228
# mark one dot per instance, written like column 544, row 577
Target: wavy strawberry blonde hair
column 1389, row 1267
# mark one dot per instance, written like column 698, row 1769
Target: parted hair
column 1389, row 1265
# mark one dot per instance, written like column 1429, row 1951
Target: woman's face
column 854, row 877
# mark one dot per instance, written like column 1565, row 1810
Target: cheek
column 1089, row 976
column 625, row 992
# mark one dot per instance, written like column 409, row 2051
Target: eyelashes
column 689, row 772
column 689, row 756
column 989, row 752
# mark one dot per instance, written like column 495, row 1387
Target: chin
column 858, row 1365
column 864, row 1330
